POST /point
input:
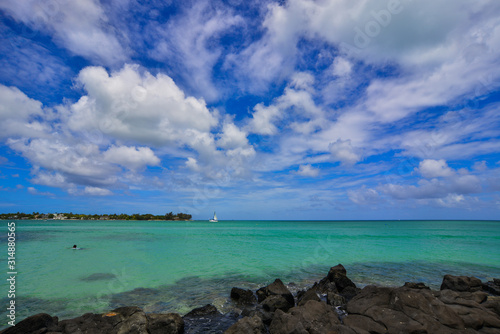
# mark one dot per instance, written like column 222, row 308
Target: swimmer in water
column 74, row 247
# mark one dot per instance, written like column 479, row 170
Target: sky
column 289, row 109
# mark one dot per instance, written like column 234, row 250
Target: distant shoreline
column 78, row 216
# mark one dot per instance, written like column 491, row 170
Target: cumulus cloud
column 296, row 106
column 454, row 184
column 343, row 151
column 131, row 157
column 19, row 114
column 434, row 168
column 308, row 171
column 134, row 115
column 232, row 137
column 77, row 164
column 128, row 105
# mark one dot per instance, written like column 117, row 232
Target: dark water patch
column 141, row 297
column 98, row 277
column 26, row 236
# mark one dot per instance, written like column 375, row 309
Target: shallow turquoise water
column 175, row 266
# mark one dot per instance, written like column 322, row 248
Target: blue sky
column 297, row 109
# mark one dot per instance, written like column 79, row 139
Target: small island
column 75, row 216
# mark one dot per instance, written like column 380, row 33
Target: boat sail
column 214, row 220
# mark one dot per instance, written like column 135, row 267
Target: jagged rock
column 275, row 288
column 171, row 323
column 492, row 287
column 129, row 319
column 248, row 325
column 207, row 310
column 276, row 302
column 208, row 319
column 312, row 317
column 493, row 304
column 470, row 309
column 122, row 320
column 461, row 283
column 325, row 286
column 308, row 295
column 349, row 292
column 338, row 275
column 458, row 308
column 334, row 299
column 413, row 285
column 243, row 297
column 266, row 317
column 41, row 323
column 365, row 323
column 407, row 310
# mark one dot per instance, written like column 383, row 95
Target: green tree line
column 70, row 215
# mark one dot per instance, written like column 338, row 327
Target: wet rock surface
column 332, row 305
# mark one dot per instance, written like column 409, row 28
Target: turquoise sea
column 176, row 266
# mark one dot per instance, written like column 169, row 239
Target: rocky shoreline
column 332, row 305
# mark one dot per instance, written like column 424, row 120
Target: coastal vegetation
column 75, row 216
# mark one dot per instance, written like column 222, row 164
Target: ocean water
column 176, row 266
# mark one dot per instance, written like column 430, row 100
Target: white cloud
column 451, row 200
column 341, row 67
column 96, row 191
column 18, row 114
column 296, row 107
column 274, row 55
column 131, row 106
column 34, row 191
column 364, row 196
column 453, row 184
column 133, row 113
column 308, row 170
column 232, row 137
column 80, row 26
column 263, row 119
column 76, row 164
column 343, row 151
column 434, row 168
column 131, row 157
column 188, row 38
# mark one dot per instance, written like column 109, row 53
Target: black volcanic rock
column 492, row 287
column 461, row 283
column 243, row 297
column 338, row 275
column 171, row 323
column 275, row 288
column 41, row 322
column 207, row 310
column 312, row 317
column 310, row 294
column 248, row 325
column 276, row 302
column 414, row 308
column 413, row 285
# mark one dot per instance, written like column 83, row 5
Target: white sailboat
column 214, row 220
